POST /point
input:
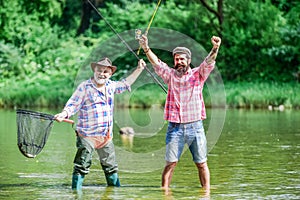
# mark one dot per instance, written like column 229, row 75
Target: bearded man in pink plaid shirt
column 184, row 108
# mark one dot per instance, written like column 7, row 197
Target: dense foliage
column 39, row 46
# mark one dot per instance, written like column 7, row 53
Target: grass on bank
column 262, row 95
column 54, row 92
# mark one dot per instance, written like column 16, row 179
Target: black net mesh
column 33, row 131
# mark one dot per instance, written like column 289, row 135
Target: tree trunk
column 86, row 15
column 217, row 13
column 86, row 10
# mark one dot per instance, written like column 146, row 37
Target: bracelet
column 147, row 50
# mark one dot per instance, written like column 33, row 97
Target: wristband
column 147, row 50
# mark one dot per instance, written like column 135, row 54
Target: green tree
column 250, row 30
column 288, row 52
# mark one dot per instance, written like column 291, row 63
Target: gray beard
column 99, row 81
column 180, row 71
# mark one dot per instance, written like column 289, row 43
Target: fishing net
column 33, row 131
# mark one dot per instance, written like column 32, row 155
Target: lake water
column 255, row 155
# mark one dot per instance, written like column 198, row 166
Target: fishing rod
column 128, row 47
column 150, row 22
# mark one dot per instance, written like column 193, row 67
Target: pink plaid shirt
column 184, row 101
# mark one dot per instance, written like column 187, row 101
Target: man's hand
column 60, row 116
column 144, row 42
column 150, row 55
column 141, row 64
column 216, row 41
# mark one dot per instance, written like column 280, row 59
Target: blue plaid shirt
column 95, row 109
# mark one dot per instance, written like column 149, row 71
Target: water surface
column 256, row 157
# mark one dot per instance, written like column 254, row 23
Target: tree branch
column 210, row 9
column 218, row 13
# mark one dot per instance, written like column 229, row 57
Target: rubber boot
column 77, row 181
column 112, row 179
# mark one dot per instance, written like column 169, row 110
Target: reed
column 262, row 95
column 55, row 92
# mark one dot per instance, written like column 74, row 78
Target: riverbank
column 54, row 92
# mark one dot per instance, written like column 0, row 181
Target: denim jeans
column 191, row 134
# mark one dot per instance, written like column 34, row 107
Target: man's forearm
column 212, row 55
column 151, row 56
column 132, row 77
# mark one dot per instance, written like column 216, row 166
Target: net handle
column 44, row 115
column 68, row 121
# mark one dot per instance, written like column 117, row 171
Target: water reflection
column 127, row 136
column 195, row 193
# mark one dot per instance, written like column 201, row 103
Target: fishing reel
column 138, row 34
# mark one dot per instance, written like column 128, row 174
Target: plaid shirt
column 95, row 109
column 184, row 101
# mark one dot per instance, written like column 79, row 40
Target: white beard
column 100, row 80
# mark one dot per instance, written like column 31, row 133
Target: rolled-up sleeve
column 205, row 69
column 74, row 104
column 122, row 86
column 163, row 70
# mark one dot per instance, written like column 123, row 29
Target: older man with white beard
column 93, row 100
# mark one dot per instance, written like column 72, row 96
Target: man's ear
column 189, row 61
column 111, row 73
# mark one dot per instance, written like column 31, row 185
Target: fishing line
column 128, row 47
